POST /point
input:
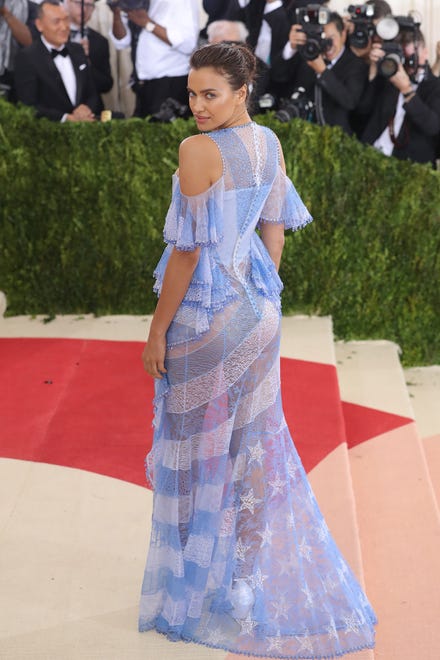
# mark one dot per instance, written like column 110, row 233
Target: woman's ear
column 243, row 92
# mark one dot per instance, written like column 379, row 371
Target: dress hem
column 229, row 649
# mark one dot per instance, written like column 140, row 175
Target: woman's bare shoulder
column 199, row 146
column 200, row 164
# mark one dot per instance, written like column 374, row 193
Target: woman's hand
column 153, row 356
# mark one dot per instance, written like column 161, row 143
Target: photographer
column 361, row 29
column 162, row 39
column 331, row 75
column 402, row 100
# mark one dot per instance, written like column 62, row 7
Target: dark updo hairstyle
column 233, row 60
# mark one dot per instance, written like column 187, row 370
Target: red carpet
column 87, row 404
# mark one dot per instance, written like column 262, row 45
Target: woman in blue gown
column 240, row 556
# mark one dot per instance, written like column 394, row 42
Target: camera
column 389, row 29
column 266, row 102
column 312, row 18
column 362, row 18
column 129, row 5
column 298, row 106
column 170, row 110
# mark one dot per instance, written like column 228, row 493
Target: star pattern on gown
column 277, row 485
column 309, row 597
column 287, row 565
column 331, row 629
column 215, row 637
column 281, row 607
column 266, row 536
column 292, row 467
column 291, row 520
column 275, row 643
column 329, row 584
column 247, row 625
column 257, row 579
column 241, row 549
column 305, row 642
column 256, row 453
column 248, row 501
column 352, row 623
column 305, row 550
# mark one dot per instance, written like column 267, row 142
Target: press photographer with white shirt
column 162, row 35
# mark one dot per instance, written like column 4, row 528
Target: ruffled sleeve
column 196, row 220
column 283, row 204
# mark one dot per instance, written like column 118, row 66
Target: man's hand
column 401, row 80
column 318, row 65
column 297, row 36
column 139, row 17
column 376, row 54
column 81, row 113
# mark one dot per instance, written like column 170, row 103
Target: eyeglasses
column 89, row 5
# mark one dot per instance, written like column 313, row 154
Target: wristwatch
column 149, row 26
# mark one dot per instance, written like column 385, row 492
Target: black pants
column 7, row 88
column 150, row 94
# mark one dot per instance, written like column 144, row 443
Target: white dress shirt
column 67, row 73
column 264, row 43
column 154, row 57
column 384, row 142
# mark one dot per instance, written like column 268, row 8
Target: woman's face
column 212, row 100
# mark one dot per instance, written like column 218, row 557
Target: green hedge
column 82, row 209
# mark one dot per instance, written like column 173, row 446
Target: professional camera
column 298, row 106
column 312, row 19
column 362, row 18
column 170, row 110
column 389, row 29
column 266, row 102
column 129, row 5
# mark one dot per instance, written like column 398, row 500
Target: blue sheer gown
column 240, row 556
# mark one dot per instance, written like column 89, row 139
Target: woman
column 240, row 556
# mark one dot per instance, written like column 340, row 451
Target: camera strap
column 393, row 137
column 319, row 112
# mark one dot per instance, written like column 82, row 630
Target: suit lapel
column 51, row 73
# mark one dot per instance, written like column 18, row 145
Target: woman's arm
column 178, row 274
column 272, row 235
column 199, row 163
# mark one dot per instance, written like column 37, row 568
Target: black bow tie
column 63, row 52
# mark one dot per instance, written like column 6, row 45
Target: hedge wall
column 82, row 210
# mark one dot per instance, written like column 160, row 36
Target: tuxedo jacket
column 419, row 135
column 253, row 16
column 99, row 56
column 341, row 86
column 39, row 83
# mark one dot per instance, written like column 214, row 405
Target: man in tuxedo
column 403, row 110
column 54, row 75
column 95, row 45
column 334, row 80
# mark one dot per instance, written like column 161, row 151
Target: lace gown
column 240, row 556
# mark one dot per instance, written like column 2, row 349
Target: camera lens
column 389, row 65
column 312, row 49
